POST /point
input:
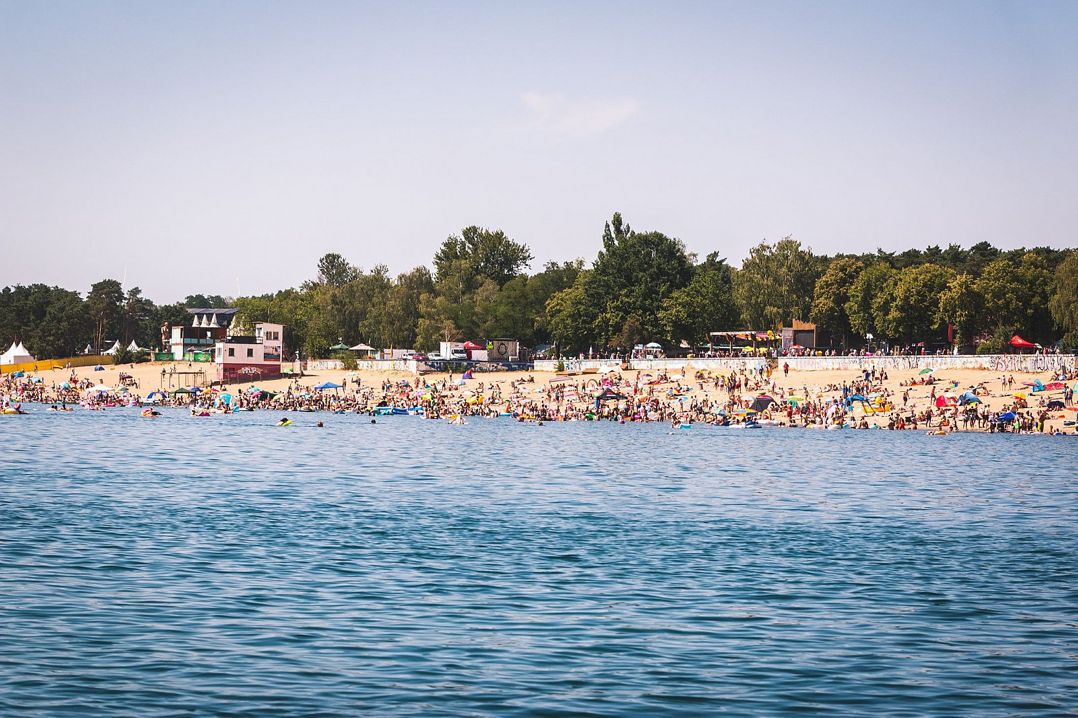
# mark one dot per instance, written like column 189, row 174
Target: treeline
column 641, row 286
column 54, row 322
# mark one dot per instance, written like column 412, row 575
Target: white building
column 249, row 358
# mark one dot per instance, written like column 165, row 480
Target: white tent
column 113, row 349
column 133, row 347
column 17, row 354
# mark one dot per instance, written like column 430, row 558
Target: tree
column 206, row 301
column 569, row 316
column 138, row 318
column 1064, row 301
column 962, row 306
column 392, row 320
column 831, row 294
column 477, row 253
column 705, row 304
column 335, row 271
column 104, row 301
column 1016, row 295
column 913, row 310
column 775, row 284
column 65, row 327
column 631, row 277
column 517, row 309
column 868, row 299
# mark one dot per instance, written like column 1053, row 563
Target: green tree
column 477, row 253
column 517, row 309
column 105, row 304
column 335, row 271
column 570, row 316
column 1064, row 302
column 775, row 284
column 1016, row 294
column 962, row 306
column 632, row 276
column 868, row 299
column 705, row 304
column 206, row 301
column 831, row 295
column 64, row 328
column 913, row 310
column 138, row 319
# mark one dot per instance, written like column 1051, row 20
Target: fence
column 46, row 364
column 991, row 362
column 407, row 365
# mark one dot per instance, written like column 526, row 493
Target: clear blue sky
column 266, row 134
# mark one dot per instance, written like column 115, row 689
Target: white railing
column 407, row 365
column 991, row 362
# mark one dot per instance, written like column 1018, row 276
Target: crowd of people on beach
column 749, row 397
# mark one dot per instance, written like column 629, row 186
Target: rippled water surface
column 222, row 566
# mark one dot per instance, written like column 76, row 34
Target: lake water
column 223, row 566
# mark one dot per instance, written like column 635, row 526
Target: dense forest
column 641, row 286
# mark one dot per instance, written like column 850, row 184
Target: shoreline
column 813, row 399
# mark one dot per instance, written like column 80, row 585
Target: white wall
column 992, row 362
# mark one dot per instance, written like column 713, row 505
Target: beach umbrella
column 969, row 398
column 99, row 389
column 855, row 397
column 1008, row 416
column 327, row 385
column 927, row 371
column 65, row 385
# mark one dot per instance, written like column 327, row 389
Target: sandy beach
column 802, row 386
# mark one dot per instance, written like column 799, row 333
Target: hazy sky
column 201, row 147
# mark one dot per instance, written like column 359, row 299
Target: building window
column 250, row 352
column 231, row 352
